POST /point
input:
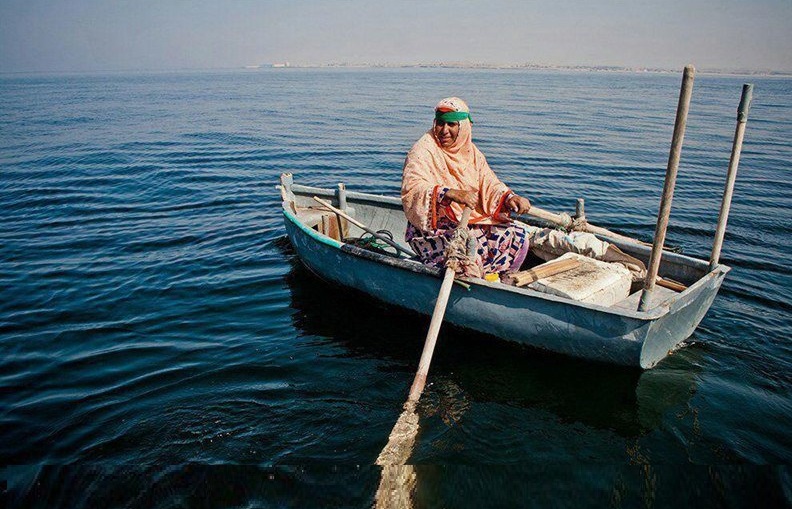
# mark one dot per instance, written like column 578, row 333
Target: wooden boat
column 617, row 334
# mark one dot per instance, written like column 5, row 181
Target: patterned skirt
column 500, row 248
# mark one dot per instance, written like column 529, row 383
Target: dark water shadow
column 210, row 486
column 187, row 485
column 627, row 401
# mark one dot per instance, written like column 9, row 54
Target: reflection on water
column 470, row 369
column 474, row 368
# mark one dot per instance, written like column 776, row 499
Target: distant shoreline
column 435, row 65
column 525, row 66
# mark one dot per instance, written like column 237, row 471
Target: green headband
column 452, row 116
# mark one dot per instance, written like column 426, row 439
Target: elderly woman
column 443, row 173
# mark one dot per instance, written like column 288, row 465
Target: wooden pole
column 668, row 189
column 342, row 205
column 399, row 446
column 364, row 227
column 731, row 175
column 342, row 198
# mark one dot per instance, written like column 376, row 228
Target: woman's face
column 446, row 132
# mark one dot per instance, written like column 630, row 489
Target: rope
column 459, row 253
column 578, row 224
column 372, row 243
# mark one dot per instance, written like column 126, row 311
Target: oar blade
column 401, row 440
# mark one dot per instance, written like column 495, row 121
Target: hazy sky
column 77, row 35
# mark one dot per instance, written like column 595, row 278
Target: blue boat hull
column 544, row 321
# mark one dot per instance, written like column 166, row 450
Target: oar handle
column 562, row 220
column 566, row 222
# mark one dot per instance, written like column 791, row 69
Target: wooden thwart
column 548, row 269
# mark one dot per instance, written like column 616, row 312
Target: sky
column 97, row 35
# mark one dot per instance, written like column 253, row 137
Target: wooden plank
column 630, row 303
column 548, row 269
column 671, row 284
column 330, row 227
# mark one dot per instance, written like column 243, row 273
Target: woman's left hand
column 518, row 204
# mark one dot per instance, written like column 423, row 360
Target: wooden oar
column 402, row 437
column 565, row 221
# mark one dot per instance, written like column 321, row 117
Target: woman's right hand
column 467, row 198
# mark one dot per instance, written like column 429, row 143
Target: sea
column 161, row 345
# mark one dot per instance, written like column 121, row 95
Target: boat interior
column 385, row 215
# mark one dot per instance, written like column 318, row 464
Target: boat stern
column 684, row 314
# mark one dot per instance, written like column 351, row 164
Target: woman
column 443, row 173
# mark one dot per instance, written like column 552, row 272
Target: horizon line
column 427, row 65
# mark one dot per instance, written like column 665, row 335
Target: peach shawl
column 430, row 167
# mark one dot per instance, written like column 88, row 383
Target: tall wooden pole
column 668, row 189
column 731, row 175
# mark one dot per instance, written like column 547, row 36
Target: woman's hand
column 468, row 198
column 518, row 204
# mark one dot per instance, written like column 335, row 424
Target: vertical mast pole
column 731, row 175
column 668, row 189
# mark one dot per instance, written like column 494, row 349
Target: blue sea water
column 161, row 345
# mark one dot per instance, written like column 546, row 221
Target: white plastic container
column 592, row 281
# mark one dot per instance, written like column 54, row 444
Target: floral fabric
column 499, row 248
